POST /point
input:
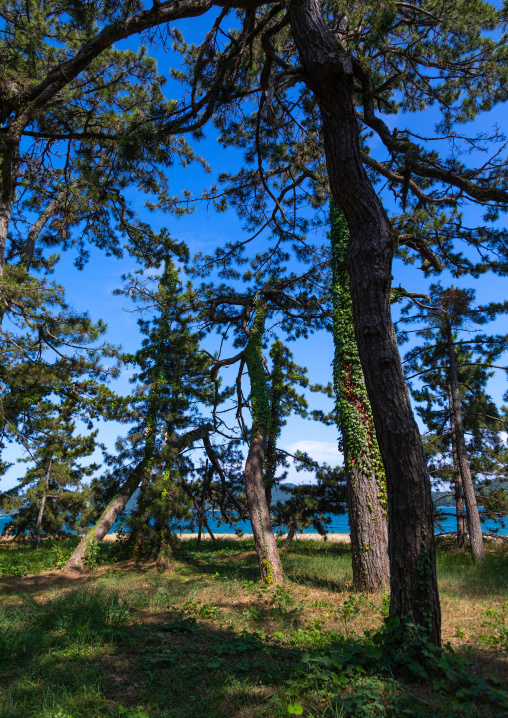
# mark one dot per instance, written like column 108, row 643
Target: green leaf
column 295, row 708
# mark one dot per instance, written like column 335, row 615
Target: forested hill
column 278, row 494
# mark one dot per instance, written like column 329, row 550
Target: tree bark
column 458, row 439
column 458, row 487
column 365, row 476
column 38, row 525
column 8, row 176
column 367, row 525
column 264, row 539
column 329, row 75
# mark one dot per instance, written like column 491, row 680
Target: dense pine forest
column 253, row 263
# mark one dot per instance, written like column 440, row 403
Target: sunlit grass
column 204, row 640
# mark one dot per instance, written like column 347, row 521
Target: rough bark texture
column 367, row 525
column 458, row 488
column 365, row 476
column 459, row 443
column 264, row 539
column 329, row 75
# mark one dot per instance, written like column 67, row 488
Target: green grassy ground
column 204, row 640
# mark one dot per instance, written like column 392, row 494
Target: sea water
column 339, row 525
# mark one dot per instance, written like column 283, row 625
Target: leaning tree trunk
column 270, row 566
column 329, row 75
column 107, row 519
column 117, row 504
column 459, row 443
column 458, row 487
column 365, row 476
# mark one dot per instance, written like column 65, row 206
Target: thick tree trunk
column 270, row 566
column 365, row 476
column 329, row 75
column 473, row 516
column 367, row 525
column 458, row 488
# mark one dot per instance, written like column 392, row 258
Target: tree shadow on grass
column 80, row 655
column 177, row 666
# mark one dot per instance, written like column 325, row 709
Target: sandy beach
column 331, row 538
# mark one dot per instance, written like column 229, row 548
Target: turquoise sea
column 339, row 525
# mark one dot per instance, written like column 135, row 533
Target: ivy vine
column 260, row 402
column 352, row 407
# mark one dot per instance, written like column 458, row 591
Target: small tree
column 173, row 385
column 454, row 342
column 312, row 504
column 51, row 499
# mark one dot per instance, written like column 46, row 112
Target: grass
column 204, row 640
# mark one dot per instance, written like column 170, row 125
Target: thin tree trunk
column 291, row 534
column 196, row 506
column 365, row 476
column 473, row 516
column 38, row 525
column 202, row 507
column 107, row 518
column 270, row 566
column 117, row 505
column 329, row 75
column 458, row 488
column 264, row 539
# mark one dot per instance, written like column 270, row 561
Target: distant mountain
column 277, row 495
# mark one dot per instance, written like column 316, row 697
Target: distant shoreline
column 331, row 538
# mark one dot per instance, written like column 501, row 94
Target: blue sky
column 92, row 288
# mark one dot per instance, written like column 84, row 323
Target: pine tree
column 311, row 504
column 51, row 499
column 173, row 381
column 454, row 343
column 323, row 77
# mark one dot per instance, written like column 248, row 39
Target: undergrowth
column 205, row 640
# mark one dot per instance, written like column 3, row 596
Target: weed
column 497, row 624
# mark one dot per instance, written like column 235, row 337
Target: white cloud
column 322, row 451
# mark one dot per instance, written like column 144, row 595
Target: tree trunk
column 38, row 525
column 329, row 75
column 365, row 476
column 270, row 566
column 8, row 177
column 107, row 519
column 458, row 488
column 473, row 516
column 264, row 539
column 117, row 505
column 291, row 533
